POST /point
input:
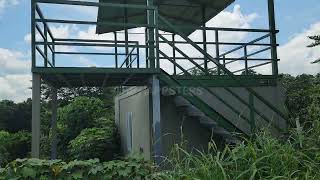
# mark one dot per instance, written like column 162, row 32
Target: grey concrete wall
column 177, row 126
column 136, row 101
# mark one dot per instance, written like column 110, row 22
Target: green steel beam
column 96, row 4
column 151, row 35
column 87, row 44
column 89, row 53
column 80, row 70
column 273, row 37
column 104, row 23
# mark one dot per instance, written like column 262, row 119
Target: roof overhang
column 179, row 12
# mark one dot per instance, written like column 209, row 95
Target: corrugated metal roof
column 178, row 12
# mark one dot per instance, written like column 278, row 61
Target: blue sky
column 295, row 19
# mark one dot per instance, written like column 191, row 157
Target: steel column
column 36, row 93
column 204, row 36
column 217, row 50
column 246, row 60
column 174, row 54
column 273, row 37
column 54, row 106
column 33, row 33
column 156, row 120
column 116, row 48
column 150, row 34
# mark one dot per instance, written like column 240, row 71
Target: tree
column 316, row 42
column 302, row 91
column 15, row 117
column 80, row 114
column 101, row 143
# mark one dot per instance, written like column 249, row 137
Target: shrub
column 133, row 168
column 99, row 143
column 13, row 146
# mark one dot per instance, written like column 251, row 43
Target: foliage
column 78, row 115
column 95, row 143
column 15, row 117
column 301, row 92
column 13, row 146
column 316, row 42
column 261, row 158
column 132, row 168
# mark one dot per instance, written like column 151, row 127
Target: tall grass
column 262, row 157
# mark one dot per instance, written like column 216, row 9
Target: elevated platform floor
column 107, row 77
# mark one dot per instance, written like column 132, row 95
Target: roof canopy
column 178, row 12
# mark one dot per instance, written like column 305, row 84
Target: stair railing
column 227, row 72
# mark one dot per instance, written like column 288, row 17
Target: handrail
column 226, row 71
column 238, row 48
column 128, row 55
column 227, row 89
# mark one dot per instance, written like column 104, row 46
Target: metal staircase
column 200, row 107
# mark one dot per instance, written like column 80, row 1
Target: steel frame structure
column 136, row 67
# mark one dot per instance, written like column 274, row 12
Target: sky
column 295, row 19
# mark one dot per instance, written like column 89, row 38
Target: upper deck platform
column 135, row 46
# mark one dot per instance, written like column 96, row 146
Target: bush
column 76, row 116
column 133, row 168
column 13, row 146
column 99, row 143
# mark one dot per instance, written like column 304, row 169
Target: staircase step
column 193, row 111
column 181, row 101
column 205, row 120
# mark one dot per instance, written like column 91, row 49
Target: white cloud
column 296, row 58
column 14, row 75
column 7, row 3
column 12, row 62
column 15, row 87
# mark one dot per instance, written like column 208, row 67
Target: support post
column 273, row 37
column 156, row 121
column 45, row 46
column 33, row 33
column 116, row 48
column 174, row 54
column 126, row 34
column 36, row 93
column 217, row 50
column 53, row 53
column 138, row 57
column 54, row 106
column 246, row 60
column 204, row 35
column 150, row 34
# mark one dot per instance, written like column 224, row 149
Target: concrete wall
column 177, row 126
column 135, row 100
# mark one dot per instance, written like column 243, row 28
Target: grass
column 263, row 157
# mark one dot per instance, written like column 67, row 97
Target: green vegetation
column 316, row 42
column 132, row 168
column 13, row 146
column 87, row 131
